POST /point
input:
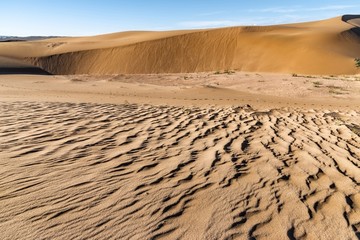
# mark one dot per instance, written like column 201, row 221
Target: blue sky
column 90, row 17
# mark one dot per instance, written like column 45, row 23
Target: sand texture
column 263, row 91
column 323, row 47
column 80, row 171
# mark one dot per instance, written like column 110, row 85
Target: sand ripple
column 82, row 171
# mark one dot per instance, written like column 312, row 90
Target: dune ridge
column 322, row 47
column 307, row 48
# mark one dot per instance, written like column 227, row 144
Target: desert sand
column 108, row 150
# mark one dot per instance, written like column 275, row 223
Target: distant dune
column 19, row 39
column 322, row 47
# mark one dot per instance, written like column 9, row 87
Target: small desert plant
column 357, row 62
column 309, row 76
column 294, row 75
column 333, row 91
column 227, row 71
column 336, row 90
column 317, row 84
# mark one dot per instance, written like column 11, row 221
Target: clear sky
column 90, row 17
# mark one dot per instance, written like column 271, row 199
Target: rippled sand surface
column 104, row 171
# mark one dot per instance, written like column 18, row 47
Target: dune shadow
column 351, row 33
column 356, row 30
column 348, row 17
column 23, row 70
column 353, row 20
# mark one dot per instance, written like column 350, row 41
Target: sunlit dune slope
column 322, row 47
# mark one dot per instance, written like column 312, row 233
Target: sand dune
column 151, row 172
column 323, row 47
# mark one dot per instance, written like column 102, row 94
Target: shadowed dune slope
column 352, row 19
column 13, row 66
column 322, row 47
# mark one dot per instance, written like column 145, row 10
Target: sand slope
column 71, row 171
column 324, row 47
column 15, row 66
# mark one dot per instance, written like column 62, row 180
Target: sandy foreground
column 190, row 156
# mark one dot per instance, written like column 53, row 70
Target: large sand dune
column 323, row 47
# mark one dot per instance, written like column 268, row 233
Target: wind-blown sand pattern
column 81, row 171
